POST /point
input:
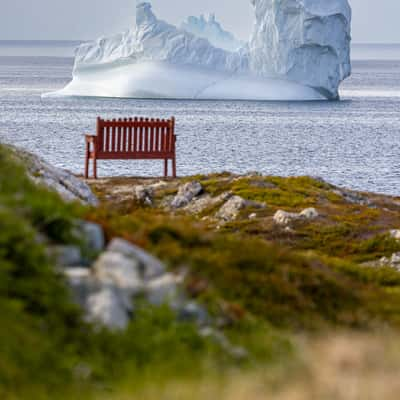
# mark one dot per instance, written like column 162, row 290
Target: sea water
column 354, row 142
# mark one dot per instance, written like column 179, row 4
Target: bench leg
column 166, row 168
column 174, row 167
column 94, row 167
column 87, row 164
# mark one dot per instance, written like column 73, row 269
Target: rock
column 193, row 312
column 150, row 267
column 162, row 290
column 68, row 186
column 253, row 216
column 353, row 197
column 82, row 284
column 309, row 213
column 144, row 194
column 116, row 269
column 204, row 202
column 285, row 218
column 93, row 235
column 395, row 234
column 186, row 194
column 106, row 307
column 231, row 209
column 393, row 261
column 220, row 339
column 66, row 255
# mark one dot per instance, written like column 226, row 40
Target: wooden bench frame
column 132, row 139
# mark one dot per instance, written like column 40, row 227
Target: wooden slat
column 125, row 143
column 107, row 148
column 152, row 129
column 158, row 130
column 146, row 135
column 113, row 136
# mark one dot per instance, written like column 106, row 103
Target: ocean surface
column 354, row 142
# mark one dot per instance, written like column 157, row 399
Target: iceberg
column 209, row 28
column 299, row 50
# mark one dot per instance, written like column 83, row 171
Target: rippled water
column 354, row 142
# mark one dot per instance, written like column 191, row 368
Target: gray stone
column 116, row 269
column 162, row 290
column 231, row 209
column 93, row 236
column 186, row 194
column 66, row 256
column 82, row 284
column 204, row 202
column 353, row 197
column 151, row 267
column 193, row 312
column 144, row 194
column 220, row 339
column 107, row 308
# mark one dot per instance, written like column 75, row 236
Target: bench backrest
column 136, row 135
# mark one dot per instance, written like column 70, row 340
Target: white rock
column 150, row 266
column 118, row 270
column 107, row 308
column 162, row 290
column 253, row 216
column 299, row 50
column 395, row 234
column 309, row 213
column 285, row 218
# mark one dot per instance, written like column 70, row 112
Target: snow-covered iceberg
column 299, row 50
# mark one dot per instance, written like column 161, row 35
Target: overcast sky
column 373, row 20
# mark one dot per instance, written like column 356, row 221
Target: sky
column 374, row 21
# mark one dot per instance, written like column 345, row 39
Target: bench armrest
column 90, row 138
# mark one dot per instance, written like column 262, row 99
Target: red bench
column 132, row 139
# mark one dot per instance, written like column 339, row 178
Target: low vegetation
column 287, row 295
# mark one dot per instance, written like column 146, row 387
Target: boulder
column 150, row 266
column 162, row 290
column 93, row 236
column 144, row 194
column 231, row 209
column 395, row 234
column 66, row 255
column 108, row 308
column 205, row 201
column 82, row 284
column 68, row 186
column 116, row 269
column 186, row 193
column 285, row 218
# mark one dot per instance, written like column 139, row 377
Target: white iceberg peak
column 299, row 50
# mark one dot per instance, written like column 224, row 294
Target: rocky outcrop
column 67, row 185
column 285, row 218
